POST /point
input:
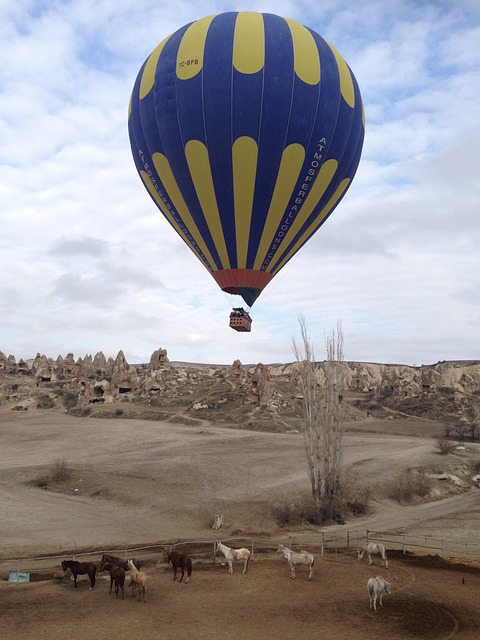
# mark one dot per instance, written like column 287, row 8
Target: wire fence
column 426, row 544
column 40, row 566
column 327, row 543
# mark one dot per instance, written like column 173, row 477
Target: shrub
column 44, row 401
column 60, row 471
column 69, row 399
column 293, row 511
column 446, row 391
column 445, row 446
column 354, row 495
column 409, row 485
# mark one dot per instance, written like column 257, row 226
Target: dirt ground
column 138, row 483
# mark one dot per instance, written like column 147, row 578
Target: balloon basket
column 240, row 320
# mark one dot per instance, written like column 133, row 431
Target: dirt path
column 173, row 478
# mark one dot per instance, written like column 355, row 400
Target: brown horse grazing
column 80, row 568
column 117, row 577
column 120, row 562
column 180, row 560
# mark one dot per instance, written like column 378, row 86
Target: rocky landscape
column 259, row 397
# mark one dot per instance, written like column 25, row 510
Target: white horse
column 376, row 588
column 234, row 554
column 372, row 548
column 294, row 558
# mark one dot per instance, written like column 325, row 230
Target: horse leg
column 311, row 572
column 174, row 572
column 370, row 559
column 92, row 575
column 74, row 580
column 230, row 565
column 181, row 577
column 292, row 571
column 245, row 565
column 111, row 584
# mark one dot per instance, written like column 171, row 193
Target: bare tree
column 461, row 429
column 447, row 428
column 473, row 430
column 323, row 391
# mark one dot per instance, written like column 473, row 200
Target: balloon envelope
column 247, row 130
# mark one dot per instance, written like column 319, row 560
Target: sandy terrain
column 144, row 482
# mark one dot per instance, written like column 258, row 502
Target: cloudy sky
column 87, row 263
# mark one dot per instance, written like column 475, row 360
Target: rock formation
column 448, row 391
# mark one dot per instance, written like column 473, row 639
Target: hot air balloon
column 246, row 129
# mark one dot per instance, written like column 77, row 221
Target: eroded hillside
column 262, row 397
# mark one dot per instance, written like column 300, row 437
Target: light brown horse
column 138, row 581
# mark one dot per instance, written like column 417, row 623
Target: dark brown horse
column 182, row 561
column 80, row 568
column 120, row 562
column 117, row 576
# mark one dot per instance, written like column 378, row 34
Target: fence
column 335, row 542
column 348, row 541
column 440, row 547
column 40, row 566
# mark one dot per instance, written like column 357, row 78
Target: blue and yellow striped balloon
column 247, row 130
